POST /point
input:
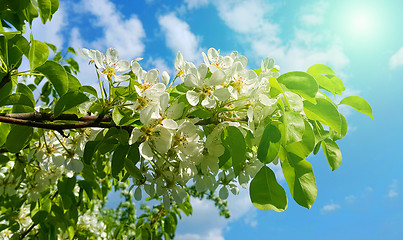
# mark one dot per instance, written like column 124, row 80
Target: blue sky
column 361, row 40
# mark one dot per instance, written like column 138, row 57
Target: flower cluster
column 172, row 143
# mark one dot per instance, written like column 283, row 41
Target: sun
column 362, row 24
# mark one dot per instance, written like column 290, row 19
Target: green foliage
column 64, row 147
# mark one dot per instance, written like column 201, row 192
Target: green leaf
column 201, row 113
column 74, row 83
column 54, row 6
column 133, row 154
column 321, row 69
column 337, row 84
column 89, row 89
column 344, row 129
column 132, row 169
column 68, row 101
column 89, row 151
column 45, row 7
column 51, row 46
column 301, row 181
column 4, row 130
column 301, row 83
column 56, row 75
column 24, row 89
column 359, row 104
column 265, row 193
column 18, row 137
column 118, row 159
column 7, row 89
column 295, row 126
column 234, row 141
column 71, row 50
column 38, row 54
column 269, row 145
column 332, row 153
column 17, row 99
column 304, row 147
column 325, row 112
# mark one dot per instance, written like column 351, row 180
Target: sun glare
column 362, row 23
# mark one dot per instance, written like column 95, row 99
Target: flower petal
column 208, row 102
column 222, row 94
column 165, row 77
column 192, row 97
column 217, row 78
column 145, row 151
column 112, row 56
column 169, row 124
column 122, row 66
column 122, row 78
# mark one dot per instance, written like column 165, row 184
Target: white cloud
column 125, row 35
column 50, row 32
column 314, row 15
column 191, row 4
column 330, row 208
column 205, row 223
column 397, row 59
column 179, row 37
column 252, row 21
column 393, row 190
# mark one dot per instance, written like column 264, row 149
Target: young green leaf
column 68, row 101
column 359, row 104
column 295, row 126
column 45, row 7
column 17, row 99
column 320, row 69
column 38, row 54
column 332, row 153
column 325, row 112
column 234, row 141
column 18, row 137
column 118, row 159
column 304, row 147
column 265, row 193
column 56, row 75
column 269, row 145
column 301, row 181
column 301, row 83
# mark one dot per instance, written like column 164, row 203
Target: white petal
column 145, row 151
column 122, row 66
column 163, row 139
column 178, row 60
column 206, row 61
column 191, row 81
column 169, row 124
column 212, row 54
column 227, row 61
column 122, row 78
column 202, row 71
column 175, row 110
column 112, row 56
column 145, row 114
column 192, row 97
column 135, row 67
column 99, row 59
column 151, row 76
column 136, row 133
column 222, row 94
column 75, row 164
column 217, row 78
column 208, row 102
column 164, row 98
column 165, row 77
column 265, row 100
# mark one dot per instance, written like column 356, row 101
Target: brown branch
column 45, row 121
column 39, row 117
column 60, row 127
